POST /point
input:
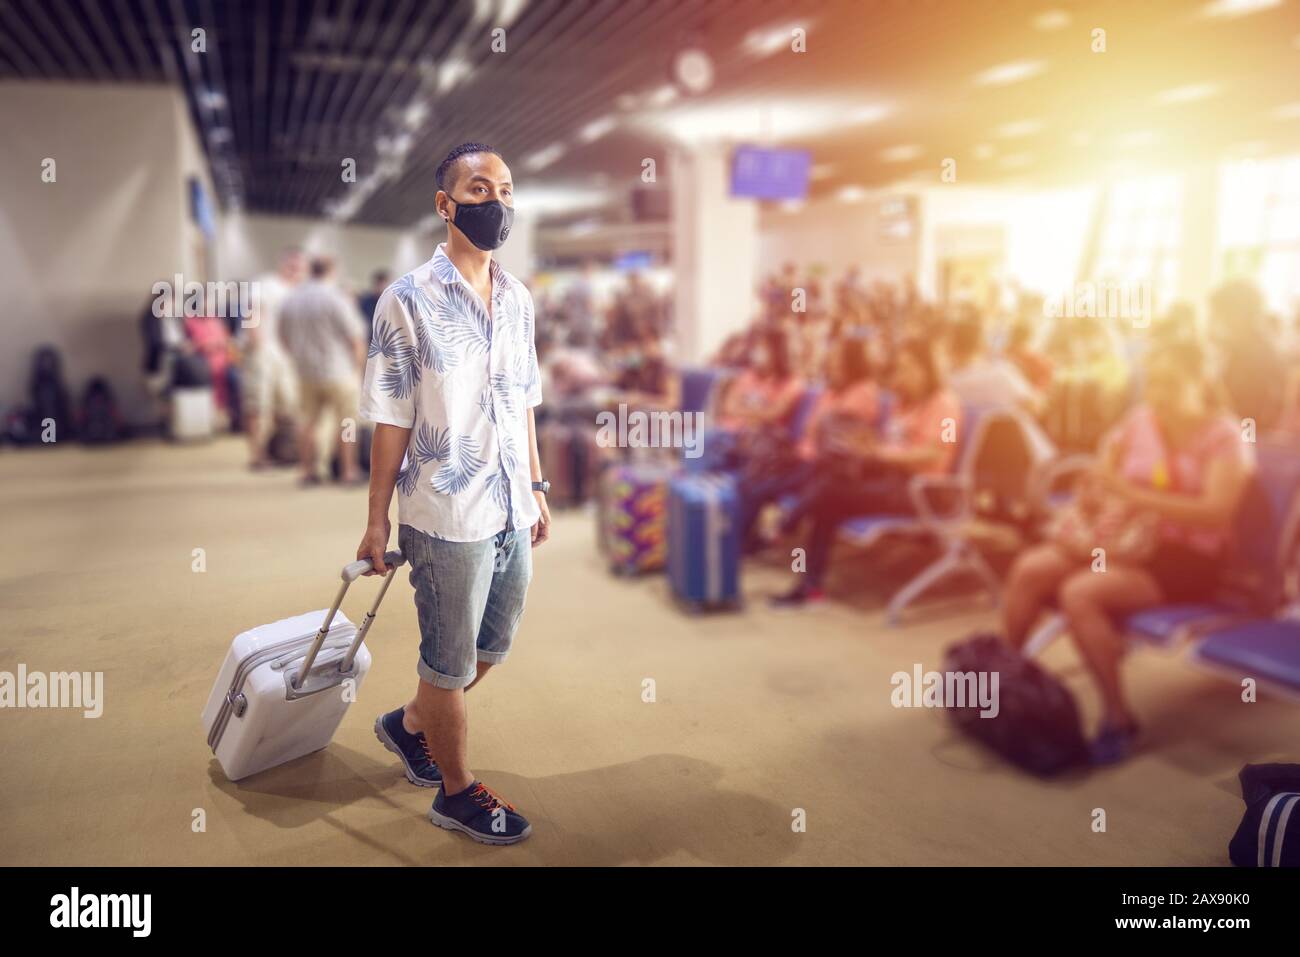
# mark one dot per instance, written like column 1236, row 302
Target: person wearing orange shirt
column 869, row 474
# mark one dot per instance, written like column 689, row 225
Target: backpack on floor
column 47, row 394
column 1036, row 726
column 1269, row 833
column 100, row 420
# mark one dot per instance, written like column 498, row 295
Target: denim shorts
column 469, row 597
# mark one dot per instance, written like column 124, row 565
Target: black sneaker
column 411, row 748
column 480, row 813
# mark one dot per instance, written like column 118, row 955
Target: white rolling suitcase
column 262, row 712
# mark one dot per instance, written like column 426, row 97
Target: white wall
column 836, row 235
column 79, row 256
column 251, row 243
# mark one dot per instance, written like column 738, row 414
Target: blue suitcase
column 704, row 540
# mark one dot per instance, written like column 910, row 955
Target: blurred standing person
column 324, row 337
column 267, row 377
column 379, row 280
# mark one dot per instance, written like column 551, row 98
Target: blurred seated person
column 859, row 473
column 764, row 394
column 1030, row 362
column 978, row 378
column 1254, row 372
column 1090, row 384
column 636, row 314
column 850, row 401
column 571, row 374
column 644, row 379
column 1171, row 472
column 171, row 360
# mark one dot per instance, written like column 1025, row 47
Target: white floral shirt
column 462, row 381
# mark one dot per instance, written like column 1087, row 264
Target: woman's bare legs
column 1091, row 601
column 1034, row 579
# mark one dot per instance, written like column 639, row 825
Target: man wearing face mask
column 451, row 382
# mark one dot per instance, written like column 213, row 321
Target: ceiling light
column 773, row 121
column 693, row 69
column 1005, row 73
column 451, row 72
column 768, row 40
column 1185, row 94
column 1016, row 160
column 544, row 157
column 596, row 129
column 1236, row 8
column 852, row 193
column 901, row 153
column 1052, row 20
column 982, row 151
column 212, row 99
column 415, row 114
column 1019, row 128
column 661, row 96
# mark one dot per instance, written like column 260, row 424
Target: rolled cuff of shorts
column 439, row 680
column 493, row 657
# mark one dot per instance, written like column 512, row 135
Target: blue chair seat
column 869, row 526
column 1161, row 625
column 1269, row 650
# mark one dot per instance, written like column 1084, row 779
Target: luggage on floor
column 1036, row 725
column 704, row 540
column 191, row 414
column 48, row 395
column 1269, row 833
column 261, row 711
column 282, row 446
column 569, row 459
column 631, row 520
column 101, row 422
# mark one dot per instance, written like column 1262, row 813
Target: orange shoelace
column 489, row 799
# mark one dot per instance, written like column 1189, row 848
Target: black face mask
column 486, row 224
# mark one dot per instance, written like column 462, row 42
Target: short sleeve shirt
column 1144, row 458
column 462, row 381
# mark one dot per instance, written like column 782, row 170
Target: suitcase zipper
column 235, row 703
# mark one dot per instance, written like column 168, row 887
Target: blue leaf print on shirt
column 401, row 371
column 432, row 348
column 430, row 445
column 460, row 468
column 498, row 486
column 463, row 320
column 485, row 403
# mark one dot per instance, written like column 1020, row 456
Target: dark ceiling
column 286, row 90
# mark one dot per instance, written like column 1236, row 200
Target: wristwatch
column 543, row 486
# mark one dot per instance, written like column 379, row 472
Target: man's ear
column 440, row 204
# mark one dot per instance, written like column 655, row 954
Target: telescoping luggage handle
column 351, row 572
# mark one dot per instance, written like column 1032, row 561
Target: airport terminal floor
column 756, row 714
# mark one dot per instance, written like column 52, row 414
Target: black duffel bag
column 1037, row 724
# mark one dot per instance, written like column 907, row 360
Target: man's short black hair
column 454, row 157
